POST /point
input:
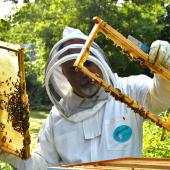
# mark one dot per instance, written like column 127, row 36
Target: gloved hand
column 160, row 53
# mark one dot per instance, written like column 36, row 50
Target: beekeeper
column 86, row 124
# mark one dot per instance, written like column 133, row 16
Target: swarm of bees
column 14, row 114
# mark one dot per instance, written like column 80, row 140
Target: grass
column 37, row 119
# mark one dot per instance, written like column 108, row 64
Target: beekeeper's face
column 82, row 85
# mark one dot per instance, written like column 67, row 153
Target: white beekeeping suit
column 100, row 128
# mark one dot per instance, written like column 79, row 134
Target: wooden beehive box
column 121, row 164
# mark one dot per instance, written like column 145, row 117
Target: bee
column 3, row 139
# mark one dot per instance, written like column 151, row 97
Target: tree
column 165, row 20
column 41, row 24
column 4, row 27
column 132, row 18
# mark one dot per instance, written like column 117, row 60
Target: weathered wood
column 121, row 164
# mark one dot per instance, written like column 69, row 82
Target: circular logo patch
column 122, row 133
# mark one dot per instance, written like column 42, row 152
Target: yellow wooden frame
column 121, row 164
column 134, row 53
column 24, row 153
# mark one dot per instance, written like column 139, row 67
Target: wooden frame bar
column 134, row 53
column 121, row 164
column 19, row 51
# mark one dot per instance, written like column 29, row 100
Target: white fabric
column 160, row 53
column 63, row 88
column 82, row 108
column 69, row 31
column 159, row 96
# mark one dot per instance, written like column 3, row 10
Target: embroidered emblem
column 122, row 133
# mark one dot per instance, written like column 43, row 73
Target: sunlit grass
column 37, row 119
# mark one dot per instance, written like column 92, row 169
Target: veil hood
column 59, row 90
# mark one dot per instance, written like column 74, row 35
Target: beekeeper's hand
column 160, row 53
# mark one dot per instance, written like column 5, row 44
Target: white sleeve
column 153, row 94
column 158, row 99
column 45, row 154
column 35, row 162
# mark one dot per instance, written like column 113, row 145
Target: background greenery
column 39, row 25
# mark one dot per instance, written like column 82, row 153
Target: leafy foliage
column 139, row 19
column 4, row 166
column 165, row 32
column 40, row 24
column 156, row 140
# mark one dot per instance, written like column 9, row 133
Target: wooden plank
column 139, row 163
column 9, row 46
column 132, row 163
column 89, row 168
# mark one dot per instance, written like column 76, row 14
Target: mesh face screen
column 14, row 113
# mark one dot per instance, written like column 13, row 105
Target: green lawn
column 36, row 121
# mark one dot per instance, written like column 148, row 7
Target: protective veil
column 71, row 106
